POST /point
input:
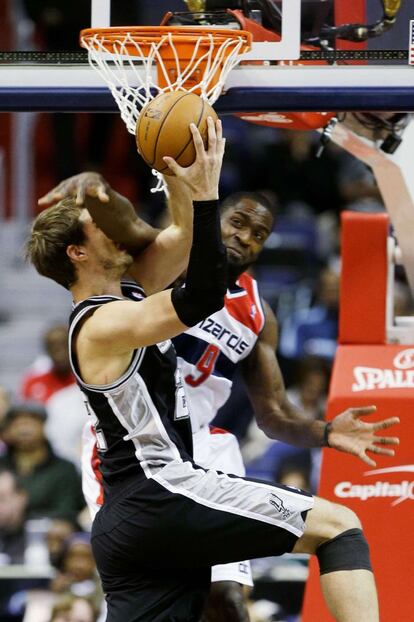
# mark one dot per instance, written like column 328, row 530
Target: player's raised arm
column 162, row 262
column 280, row 419
column 112, row 212
column 123, row 325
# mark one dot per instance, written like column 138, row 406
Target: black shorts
column 155, row 543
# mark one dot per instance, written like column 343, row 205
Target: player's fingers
column 363, row 410
column 219, row 130
column 80, row 195
column 367, row 459
column 102, row 194
column 387, row 440
column 381, row 450
column 198, row 141
column 173, row 166
column 387, row 423
column 50, row 197
column 212, row 136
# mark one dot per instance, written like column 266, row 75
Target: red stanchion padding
column 382, row 496
column 363, row 278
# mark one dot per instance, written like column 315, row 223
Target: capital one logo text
column 397, row 492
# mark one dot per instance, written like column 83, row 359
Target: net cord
column 119, row 66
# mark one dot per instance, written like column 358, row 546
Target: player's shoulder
column 247, row 282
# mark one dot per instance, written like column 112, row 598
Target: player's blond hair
column 52, row 232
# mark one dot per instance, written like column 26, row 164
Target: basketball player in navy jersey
column 165, row 520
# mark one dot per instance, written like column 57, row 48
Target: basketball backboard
column 303, row 57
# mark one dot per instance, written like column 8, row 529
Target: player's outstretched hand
column 350, row 434
column 79, row 186
column 203, row 176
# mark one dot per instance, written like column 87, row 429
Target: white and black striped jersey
column 141, row 420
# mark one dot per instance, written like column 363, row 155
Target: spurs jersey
column 209, row 352
column 141, row 421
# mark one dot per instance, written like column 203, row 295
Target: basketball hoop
column 138, row 63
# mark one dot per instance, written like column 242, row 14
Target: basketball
column 163, row 128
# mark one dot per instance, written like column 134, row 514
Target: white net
column 136, row 68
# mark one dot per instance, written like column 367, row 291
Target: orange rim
column 182, row 36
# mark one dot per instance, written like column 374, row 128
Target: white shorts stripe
column 266, row 503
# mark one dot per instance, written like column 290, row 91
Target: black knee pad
column 348, row 551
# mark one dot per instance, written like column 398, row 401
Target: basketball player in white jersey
column 166, row 520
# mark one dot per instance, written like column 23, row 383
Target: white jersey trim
column 137, row 445
column 131, row 435
column 259, row 303
column 230, row 294
column 305, row 502
column 132, row 367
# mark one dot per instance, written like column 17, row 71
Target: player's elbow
column 269, row 424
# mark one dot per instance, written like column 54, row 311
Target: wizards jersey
column 209, row 352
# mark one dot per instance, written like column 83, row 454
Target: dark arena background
column 318, row 122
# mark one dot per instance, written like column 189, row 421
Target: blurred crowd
column 44, row 526
column 43, row 520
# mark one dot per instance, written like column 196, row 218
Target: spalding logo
column 401, row 377
column 405, row 359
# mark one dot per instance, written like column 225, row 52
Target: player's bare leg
column 350, row 594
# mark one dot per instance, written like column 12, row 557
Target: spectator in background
column 4, row 407
column 289, row 168
column 13, row 502
column 311, row 386
column 74, row 609
column 55, row 386
column 52, row 483
column 314, row 331
column 4, row 403
column 77, row 573
column 55, row 374
column 58, row 532
column 358, row 187
column 294, row 473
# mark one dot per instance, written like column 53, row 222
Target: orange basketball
column 163, row 128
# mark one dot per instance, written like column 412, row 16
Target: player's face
column 103, row 251
column 245, row 228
